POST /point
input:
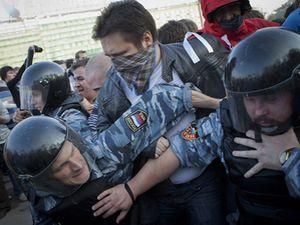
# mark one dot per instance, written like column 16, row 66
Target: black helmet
column 264, row 63
column 33, row 146
column 44, row 86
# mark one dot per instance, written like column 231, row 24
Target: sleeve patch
column 136, row 120
column 190, row 133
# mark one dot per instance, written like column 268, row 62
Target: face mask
column 136, row 69
column 233, row 24
column 125, row 64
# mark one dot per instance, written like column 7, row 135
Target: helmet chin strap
column 257, row 134
column 277, row 129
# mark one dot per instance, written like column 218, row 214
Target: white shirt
column 181, row 175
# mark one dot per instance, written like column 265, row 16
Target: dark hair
column 59, row 62
column 4, row 70
column 172, row 32
column 128, row 17
column 69, row 63
column 291, row 8
column 78, row 53
column 79, row 63
column 190, row 24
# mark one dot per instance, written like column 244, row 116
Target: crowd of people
column 176, row 125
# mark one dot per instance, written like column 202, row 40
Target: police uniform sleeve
column 4, row 113
column 78, row 122
column 157, row 111
column 199, row 144
column 101, row 121
column 291, row 169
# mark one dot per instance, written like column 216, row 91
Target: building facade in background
column 64, row 27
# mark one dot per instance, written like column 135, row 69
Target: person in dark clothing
column 172, row 32
column 7, row 73
column 190, row 24
column 128, row 36
column 63, row 172
column 224, row 20
column 45, row 89
column 12, row 79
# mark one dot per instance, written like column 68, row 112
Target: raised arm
column 201, row 100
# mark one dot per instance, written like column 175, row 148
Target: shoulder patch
column 136, row 120
column 190, row 133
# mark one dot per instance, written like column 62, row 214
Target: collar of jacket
column 173, row 57
column 168, row 60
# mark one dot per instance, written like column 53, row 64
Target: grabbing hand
column 268, row 152
column 113, row 200
column 20, row 115
column 161, row 146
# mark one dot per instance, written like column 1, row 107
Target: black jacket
column 207, row 75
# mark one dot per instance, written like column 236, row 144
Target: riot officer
column 62, row 173
column 55, row 162
column 45, row 89
column 262, row 84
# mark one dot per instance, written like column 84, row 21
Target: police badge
column 190, row 133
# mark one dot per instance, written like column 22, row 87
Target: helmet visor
column 33, row 97
column 65, row 175
column 69, row 170
column 268, row 111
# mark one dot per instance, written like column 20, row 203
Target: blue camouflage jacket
column 208, row 146
column 117, row 146
column 291, row 169
column 77, row 120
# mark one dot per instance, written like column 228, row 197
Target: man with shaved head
column 95, row 75
column 96, row 69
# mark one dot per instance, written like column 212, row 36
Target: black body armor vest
column 264, row 197
column 77, row 208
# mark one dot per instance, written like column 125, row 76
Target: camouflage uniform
column 208, row 146
column 214, row 139
column 292, row 170
column 204, row 149
column 78, row 122
column 116, row 148
column 92, row 120
column 74, row 117
column 157, row 110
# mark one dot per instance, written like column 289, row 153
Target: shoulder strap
column 225, row 114
column 190, row 50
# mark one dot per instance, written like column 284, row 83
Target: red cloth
column 248, row 26
column 209, row 6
